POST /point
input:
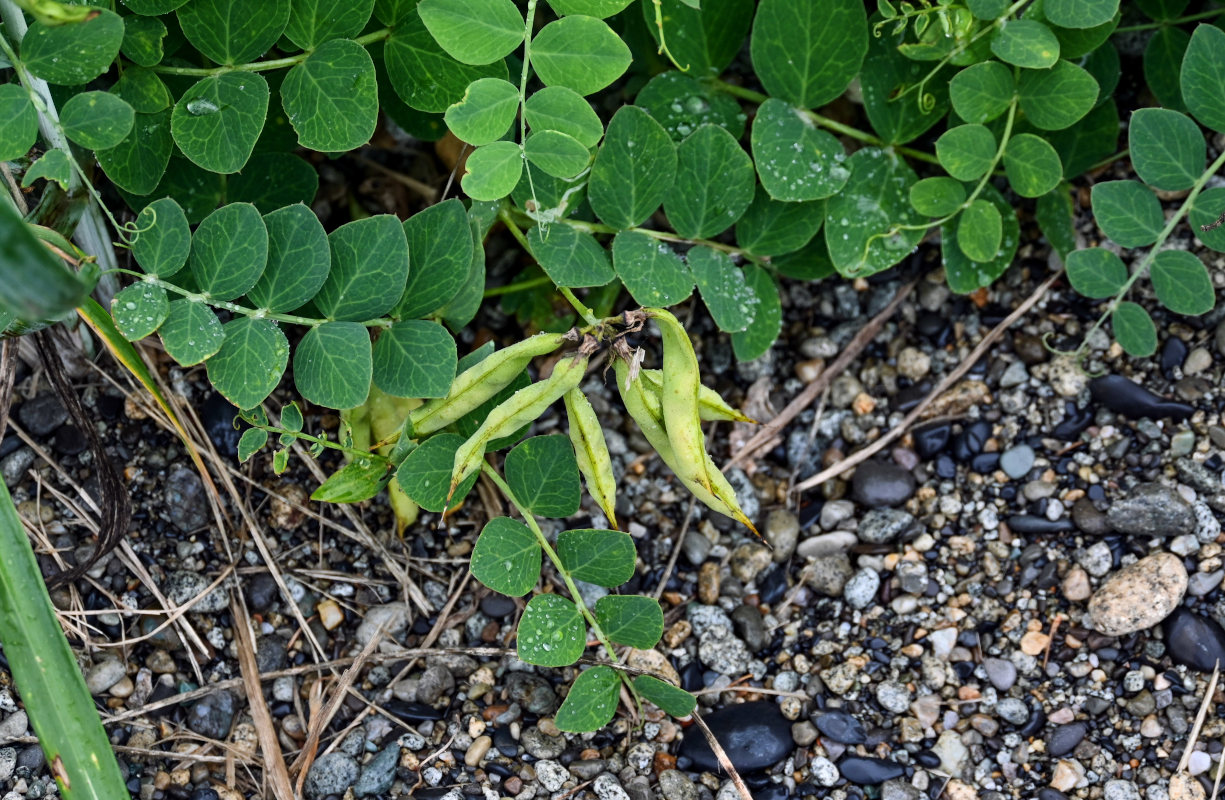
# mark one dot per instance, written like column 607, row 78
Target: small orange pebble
column 981, row 297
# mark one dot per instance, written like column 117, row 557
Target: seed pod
column 679, row 400
column 482, row 381
column 591, row 451
column 711, row 406
column 516, row 411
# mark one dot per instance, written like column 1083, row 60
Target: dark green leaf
column 796, row 160
column 251, row 361
column 1080, row 13
column 356, row 481
column 424, row 76
column 153, row 7
column 18, row 122
column 1096, row 273
column 250, row 443
column 631, row 620
column 551, row 632
column 142, row 40
column 492, row 170
column 1032, row 165
column 53, row 165
column 291, row 417
column 414, row 358
column 1075, row 43
column 229, row 251
column 810, row 263
column 425, row 476
column 768, row 321
column 1207, row 209
column 1055, row 217
column 462, row 308
column 233, row 31
column 1128, row 212
column 216, row 122
column 592, row 8
column 506, row 557
column 298, row 260
column 982, row 92
column 1167, row 149
column 731, row 303
column 557, row 153
column 1087, row 142
column 331, row 98
column 1056, row 98
column 771, row 228
column 273, row 181
column 963, row 274
column 474, row 31
column 987, row 9
column 650, row 270
column 312, row 22
column 332, row 365
column 191, row 332
column 714, row 184
column 858, row 218
column 682, row 104
column 557, row 108
column 592, row 700
column 580, row 53
column 37, row 285
column 138, row 162
column 96, row 120
column 139, row 310
column 703, row 41
column 440, row 256
column 937, row 197
column 570, row 258
column 807, row 53
column 1103, row 64
column 602, row 557
column 198, row 191
column 485, row 113
column 1163, row 57
column 369, row 269
column 1203, row 75
column 143, row 90
column 543, row 476
column 164, row 242
column 75, row 52
column 886, row 72
column 634, row 169
column 1182, row 283
column 672, row 699
column 966, row 151
column 980, row 230
column 1134, row 329
column 1162, row 9
column 1026, row 43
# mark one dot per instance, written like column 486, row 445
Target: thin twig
column 270, row 746
column 721, row 755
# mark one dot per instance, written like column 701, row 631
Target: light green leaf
column 672, row 699
column 414, row 358
column 75, row 52
column 506, row 557
column 591, row 8
column 18, row 122
column 191, row 332
column 987, row 9
column 682, row 104
column 1032, row 165
column 937, row 197
column 557, row 108
column 1055, row 217
column 557, row 153
column 807, row 53
column 966, row 151
column 796, row 160
column 1080, row 13
column 1128, row 212
column 1095, row 272
column 580, row 53
column 138, row 162
column 369, row 270
column 874, row 200
column 216, row 122
column 592, row 700
column 142, row 40
column 53, row 165
column 631, row 620
column 771, row 228
column 706, row 40
column 298, row 260
column 492, row 170
column 164, row 242
column 474, row 32
column 1056, row 98
column 1025, row 43
column 1206, row 210
column 96, row 120
column 332, row 365
column 250, row 443
column 331, row 98
column 359, row 480
column 234, row 31
column 602, row 557
column 143, row 90
column 731, row 303
column 1134, row 329
column 425, row 476
column 251, row 361
column 273, row 181
column 440, row 256
column 982, row 92
column 965, row 275
column 424, row 76
column 551, row 632
column 633, row 170
column 543, row 476
column 650, row 270
column 570, row 258
column 486, row 111
column 714, row 184
column 886, row 71
column 1167, row 149
column 312, row 22
column 229, row 251
column 1182, row 282
column 1163, row 58
column 1203, row 75
column 1075, row 43
column 767, row 322
column 980, row 230
column 139, row 310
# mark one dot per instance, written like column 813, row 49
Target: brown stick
column 270, row 747
column 721, row 754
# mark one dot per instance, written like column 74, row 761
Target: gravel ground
column 1018, row 599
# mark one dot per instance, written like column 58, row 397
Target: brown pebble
column 513, row 784
column 477, row 750
column 1139, row 595
column 1034, row 643
column 708, row 583
column 663, row 761
column 1076, row 585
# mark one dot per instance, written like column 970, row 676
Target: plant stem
column 351, row 451
column 521, row 286
column 583, row 311
column 262, row 66
column 1148, row 26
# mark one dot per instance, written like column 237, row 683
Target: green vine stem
column 262, row 66
column 663, row 42
column 354, row 452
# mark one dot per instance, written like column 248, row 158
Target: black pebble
column 505, row 743
column 985, row 463
column 1064, row 738
column 930, row 440
column 926, row 758
column 842, row 727
column 869, row 771
column 971, row 440
column 1075, row 420
column 205, row 793
column 1035, row 723
column 1197, row 642
column 756, row 736
column 261, row 592
column 69, row 440
column 772, row 587
column 497, row 606
column 946, row 468
column 412, row 712
column 1134, row 401
column 1026, row 523
column 1051, row 793
column 1173, row 353
column 218, row 415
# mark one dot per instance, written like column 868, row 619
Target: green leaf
column 580, row 53
column 706, row 40
column 543, row 476
column 982, row 92
column 1075, row 43
column 731, row 303
column 298, row 260
column 139, row 310
column 142, row 40
column 1055, row 217
column 551, row 632
column 414, row 358
column 1203, row 75
column 557, row 153
column 771, row 228
column 440, row 256
column 987, row 9
column 591, row 8
column 229, row 251
column 331, row 98
column 143, row 90
column 631, row 620
column 592, row 700
column 1134, row 329
column 1128, row 212
column 557, row 108
column 682, row 104
column 424, row 76
column 1163, row 58
column 37, row 285
column 1032, row 165
column 1096, row 273
column 937, row 197
column 486, row 111
column 462, row 308
column 810, row 263
column 1080, row 13
column 1162, row 9
column 216, row 122
column 886, row 71
column 965, row 275
column 1206, row 209
column 196, row 190
column 332, row 365
column 874, row 200
column 506, row 557
column 1103, row 64
column 672, row 699
column 633, row 170
column 570, row 258
column 808, row 53
column 233, row 31
column 425, row 476
column 312, row 22
column 714, row 184
column 650, row 270
column 602, row 557
column 474, row 32
column 1088, row 141
column 1182, row 282
column 755, row 340
column 250, row 443
column 359, row 480
column 164, row 242
column 191, row 332
column 1056, row 98
column 492, row 170
column 980, row 230
column 75, row 52
column 251, row 361
column 1167, row 149
column 273, row 181
column 1025, row 43
column 18, row 122
column 53, row 165
column 796, row 160
column 369, row 269
column 96, row 120
column 153, row 7
column 966, row 151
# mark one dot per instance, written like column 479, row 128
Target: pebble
column 1064, row 738
column 379, row 773
column 1139, row 596
column 825, row 544
column 540, row 744
column 391, row 617
column 755, row 735
column 42, row 415
column 878, row 483
column 212, row 716
column 330, row 774
column 1013, row 710
column 884, row 525
column 1193, row 640
column 186, row 502
column 834, row 513
column 930, row 440
column 841, row 727
column 607, row 787
column 1120, row 790
column 863, row 771
column 552, row 776
column 13, row 467
column 782, row 531
column 860, row 591
column 104, row 675
column 1001, row 672
column 750, row 627
column 1152, row 509
column 1017, row 461
column 1076, row 585
column 1088, row 519
column 722, row 652
column 8, row 763
column 182, row 587
column 893, row 697
column 1133, row 401
column 676, row 785
column 330, row 615
column 14, row 726
column 1066, row 775
column 435, row 683
column 477, row 750
column 829, row 574
column 952, row 753
column 261, row 592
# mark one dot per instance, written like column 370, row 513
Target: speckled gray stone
column 1152, row 509
column 1138, row 596
column 860, row 591
column 330, row 774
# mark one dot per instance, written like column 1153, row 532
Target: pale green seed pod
column 591, row 451
column 679, row 400
column 711, row 405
